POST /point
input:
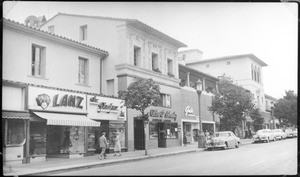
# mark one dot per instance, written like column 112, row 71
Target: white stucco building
column 246, row 70
column 135, row 50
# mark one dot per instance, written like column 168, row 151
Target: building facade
column 136, row 50
column 51, row 85
column 246, row 71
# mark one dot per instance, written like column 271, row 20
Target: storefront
column 190, row 125
column 111, row 112
column 163, row 128
column 58, row 123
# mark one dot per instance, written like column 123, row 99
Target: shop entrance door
column 139, row 135
column 162, row 135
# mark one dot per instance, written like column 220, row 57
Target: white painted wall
column 61, row 62
column 119, row 40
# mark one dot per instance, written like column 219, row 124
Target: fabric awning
column 15, row 115
column 67, row 119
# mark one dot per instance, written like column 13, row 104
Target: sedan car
column 264, row 135
column 290, row 133
column 224, row 140
column 279, row 134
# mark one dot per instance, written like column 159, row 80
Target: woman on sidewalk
column 117, row 145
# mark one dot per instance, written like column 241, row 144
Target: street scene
column 261, row 159
column 149, row 88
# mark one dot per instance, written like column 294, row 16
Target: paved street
column 274, row 158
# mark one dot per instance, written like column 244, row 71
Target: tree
column 286, row 108
column 231, row 104
column 141, row 94
column 258, row 120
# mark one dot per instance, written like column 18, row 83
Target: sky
column 267, row 30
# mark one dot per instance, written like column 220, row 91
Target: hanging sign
column 162, row 114
column 104, row 108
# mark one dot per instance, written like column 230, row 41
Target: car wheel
column 226, row 146
column 237, row 144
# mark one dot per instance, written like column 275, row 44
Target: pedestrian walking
column 206, row 135
column 117, row 145
column 103, row 145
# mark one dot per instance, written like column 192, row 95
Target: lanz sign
column 55, row 100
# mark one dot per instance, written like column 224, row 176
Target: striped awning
column 15, row 115
column 67, row 119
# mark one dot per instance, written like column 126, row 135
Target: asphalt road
column 274, row 158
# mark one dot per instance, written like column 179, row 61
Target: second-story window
column 51, row 29
column 166, row 100
column 136, row 56
column 154, row 61
column 207, row 65
column 38, row 61
column 83, row 33
column 170, row 66
column 83, row 71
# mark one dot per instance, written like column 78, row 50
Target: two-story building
column 51, row 90
column 272, row 122
column 246, row 71
column 136, row 50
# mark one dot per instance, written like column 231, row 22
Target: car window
column 221, row 135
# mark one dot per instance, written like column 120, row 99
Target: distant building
column 245, row 69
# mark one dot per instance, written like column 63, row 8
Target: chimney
column 35, row 22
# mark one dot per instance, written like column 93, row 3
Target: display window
column 153, row 129
column 76, row 140
column 15, row 132
column 113, row 129
column 37, row 143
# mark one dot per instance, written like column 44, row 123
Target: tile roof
column 50, row 34
column 133, row 22
column 230, row 57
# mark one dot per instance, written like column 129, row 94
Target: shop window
column 83, row 33
column 172, row 130
column 37, row 144
column 38, row 61
column 153, row 129
column 113, row 129
column 166, row 100
column 83, row 71
column 15, row 132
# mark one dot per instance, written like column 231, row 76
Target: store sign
column 189, row 111
column 55, row 100
column 162, row 114
column 103, row 108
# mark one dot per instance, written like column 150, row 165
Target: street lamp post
column 273, row 119
column 201, row 136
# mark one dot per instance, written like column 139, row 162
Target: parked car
column 224, row 140
column 264, row 135
column 290, row 133
column 279, row 134
column 295, row 132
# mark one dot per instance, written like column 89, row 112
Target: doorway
column 161, row 135
column 139, row 135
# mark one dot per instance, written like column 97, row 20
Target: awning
column 67, row 119
column 15, row 115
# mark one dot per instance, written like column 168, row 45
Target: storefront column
column 27, row 144
column 188, row 79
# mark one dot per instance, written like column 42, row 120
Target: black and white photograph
column 149, row 88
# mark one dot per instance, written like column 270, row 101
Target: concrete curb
column 54, row 170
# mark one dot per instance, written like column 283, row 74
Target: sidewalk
column 54, row 165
